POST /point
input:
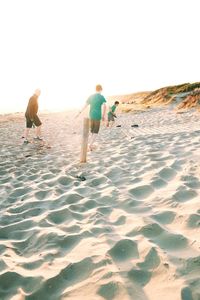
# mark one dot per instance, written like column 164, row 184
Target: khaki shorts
column 94, row 126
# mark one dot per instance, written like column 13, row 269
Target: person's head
column 37, row 92
column 98, row 88
column 116, row 103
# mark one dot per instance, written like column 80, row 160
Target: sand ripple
column 129, row 231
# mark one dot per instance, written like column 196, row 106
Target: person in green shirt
column 111, row 114
column 97, row 104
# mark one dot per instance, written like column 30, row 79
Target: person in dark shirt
column 32, row 119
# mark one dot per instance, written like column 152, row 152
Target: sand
column 130, row 230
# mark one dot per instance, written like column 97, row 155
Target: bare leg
column 38, row 131
column 112, row 123
column 92, row 140
column 26, row 133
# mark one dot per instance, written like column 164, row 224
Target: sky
column 66, row 47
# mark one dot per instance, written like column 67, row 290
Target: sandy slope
column 129, row 231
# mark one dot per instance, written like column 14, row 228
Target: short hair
column 98, row 88
column 37, row 92
column 116, row 102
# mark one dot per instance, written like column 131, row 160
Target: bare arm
column 84, row 107
column 104, row 112
column 32, row 108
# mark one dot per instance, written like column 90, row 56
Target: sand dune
column 129, row 231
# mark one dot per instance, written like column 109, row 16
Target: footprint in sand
column 191, row 181
column 183, row 194
column 165, row 217
column 110, row 290
column 60, row 216
column 141, row 192
column 152, row 260
column 158, row 183
column 124, row 250
column 194, row 221
column 167, row 174
column 141, row 277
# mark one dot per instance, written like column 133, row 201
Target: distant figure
column 32, row 119
column 96, row 103
column 111, row 114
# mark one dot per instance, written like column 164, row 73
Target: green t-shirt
column 112, row 110
column 95, row 101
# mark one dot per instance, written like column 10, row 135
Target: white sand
column 131, row 230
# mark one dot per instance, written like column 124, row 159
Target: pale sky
column 66, row 47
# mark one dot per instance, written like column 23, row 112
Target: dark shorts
column 111, row 118
column 94, row 126
column 36, row 121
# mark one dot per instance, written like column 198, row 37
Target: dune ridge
column 181, row 97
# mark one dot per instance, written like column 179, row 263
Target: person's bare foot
column 90, row 148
